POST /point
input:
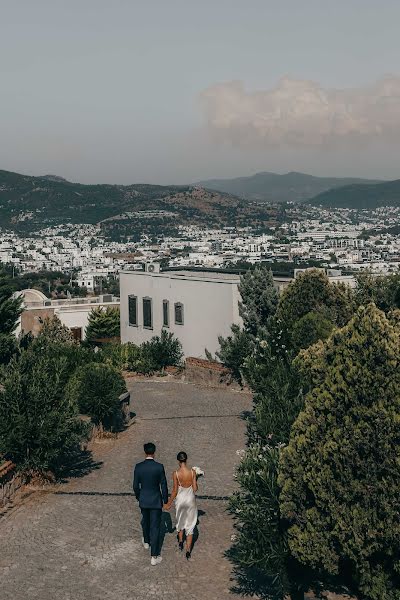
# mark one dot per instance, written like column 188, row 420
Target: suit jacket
column 150, row 484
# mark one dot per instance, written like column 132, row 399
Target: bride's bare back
column 185, row 477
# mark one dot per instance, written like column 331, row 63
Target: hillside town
column 349, row 239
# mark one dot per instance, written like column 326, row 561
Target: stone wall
column 209, row 373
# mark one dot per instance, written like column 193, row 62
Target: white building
column 196, row 306
column 73, row 313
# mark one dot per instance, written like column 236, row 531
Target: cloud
column 302, row 113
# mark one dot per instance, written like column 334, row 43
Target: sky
column 176, row 91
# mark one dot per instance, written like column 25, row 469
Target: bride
column 185, row 487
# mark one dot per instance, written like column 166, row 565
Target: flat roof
column 195, row 275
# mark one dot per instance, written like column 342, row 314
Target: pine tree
column 103, row 323
column 259, row 298
column 340, row 473
column 53, row 331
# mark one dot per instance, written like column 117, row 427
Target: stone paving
column 82, row 542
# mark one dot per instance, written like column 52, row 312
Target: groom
column 151, row 490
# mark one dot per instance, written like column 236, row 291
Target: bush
column 121, row 356
column 95, row 389
column 160, row 352
column 39, row 426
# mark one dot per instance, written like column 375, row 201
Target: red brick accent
column 206, row 364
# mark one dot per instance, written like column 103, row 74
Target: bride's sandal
column 188, row 554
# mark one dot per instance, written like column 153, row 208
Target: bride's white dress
column 186, row 508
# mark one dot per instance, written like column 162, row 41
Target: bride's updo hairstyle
column 182, row 457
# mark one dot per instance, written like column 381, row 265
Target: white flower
column 233, row 537
column 199, row 472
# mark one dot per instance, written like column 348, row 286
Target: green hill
column 28, row 204
column 360, row 196
column 271, row 187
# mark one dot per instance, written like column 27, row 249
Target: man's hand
column 167, row 506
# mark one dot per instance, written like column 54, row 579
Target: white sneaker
column 155, row 560
column 145, row 545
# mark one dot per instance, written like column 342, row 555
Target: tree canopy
column 312, row 292
column 340, row 472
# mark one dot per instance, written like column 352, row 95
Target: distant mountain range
column 28, row 204
column 361, row 196
column 271, row 187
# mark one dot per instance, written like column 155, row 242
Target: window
column 132, row 310
column 147, row 313
column 76, row 333
column 178, row 313
column 165, row 309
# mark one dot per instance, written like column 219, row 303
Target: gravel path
column 82, row 542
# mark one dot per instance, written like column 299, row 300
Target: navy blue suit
column 151, row 490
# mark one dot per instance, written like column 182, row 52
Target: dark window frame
column 150, row 300
column 165, row 313
column 176, row 305
column 136, row 311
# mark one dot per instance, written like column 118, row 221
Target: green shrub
column 162, row 351
column 234, row 350
column 95, row 388
column 39, row 426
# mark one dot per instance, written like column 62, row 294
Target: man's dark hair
column 182, row 457
column 149, row 448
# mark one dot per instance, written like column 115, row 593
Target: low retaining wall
column 207, row 372
column 10, row 483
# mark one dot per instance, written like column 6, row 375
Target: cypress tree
column 340, row 472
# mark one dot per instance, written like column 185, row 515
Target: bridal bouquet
column 198, row 471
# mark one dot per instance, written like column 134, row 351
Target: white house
column 73, row 312
column 196, row 306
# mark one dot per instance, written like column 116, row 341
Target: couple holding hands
column 151, row 490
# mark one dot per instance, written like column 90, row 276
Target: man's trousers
column 151, row 523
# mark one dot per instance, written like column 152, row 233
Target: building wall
column 32, row 319
column 72, row 317
column 210, row 308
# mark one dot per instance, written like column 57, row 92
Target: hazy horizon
column 178, row 92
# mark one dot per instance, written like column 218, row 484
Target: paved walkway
column 83, row 542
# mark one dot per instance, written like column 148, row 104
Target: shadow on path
column 90, row 493
column 78, row 465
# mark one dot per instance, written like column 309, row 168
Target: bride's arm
column 174, row 491
column 194, row 481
